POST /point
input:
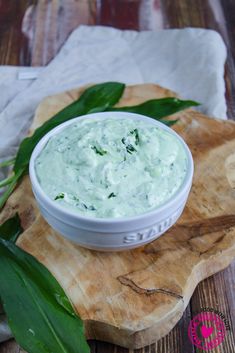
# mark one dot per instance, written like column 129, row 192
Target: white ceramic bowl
column 111, row 234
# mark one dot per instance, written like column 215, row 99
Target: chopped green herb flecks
column 130, row 149
column 114, row 185
column 75, row 198
column 128, row 141
column 136, row 134
column 123, row 140
column 99, row 150
column 111, row 195
column 59, row 196
column 90, row 208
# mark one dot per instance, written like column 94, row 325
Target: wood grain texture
column 12, row 41
column 27, row 42
column 214, row 300
column 134, row 298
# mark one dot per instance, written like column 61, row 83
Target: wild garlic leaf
column 39, row 313
column 96, row 98
column 157, row 108
column 101, row 96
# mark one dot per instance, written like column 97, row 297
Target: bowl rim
column 186, row 184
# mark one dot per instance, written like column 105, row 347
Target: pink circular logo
column 206, row 330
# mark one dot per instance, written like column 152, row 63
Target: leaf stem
column 6, row 181
column 11, row 187
column 7, row 193
column 7, row 163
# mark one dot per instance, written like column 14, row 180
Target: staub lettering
column 148, row 233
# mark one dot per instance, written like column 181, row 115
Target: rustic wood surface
column 32, row 31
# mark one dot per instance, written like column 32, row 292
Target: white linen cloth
column 189, row 61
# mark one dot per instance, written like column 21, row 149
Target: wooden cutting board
column 134, row 298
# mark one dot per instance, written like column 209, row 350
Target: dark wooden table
column 31, row 33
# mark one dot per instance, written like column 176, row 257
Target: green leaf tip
column 39, row 313
column 11, row 228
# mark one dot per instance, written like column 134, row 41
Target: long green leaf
column 97, row 97
column 7, row 163
column 157, row 108
column 39, row 314
column 10, row 188
column 11, row 228
column 169, row 122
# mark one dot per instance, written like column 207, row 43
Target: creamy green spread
column 111, row 167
